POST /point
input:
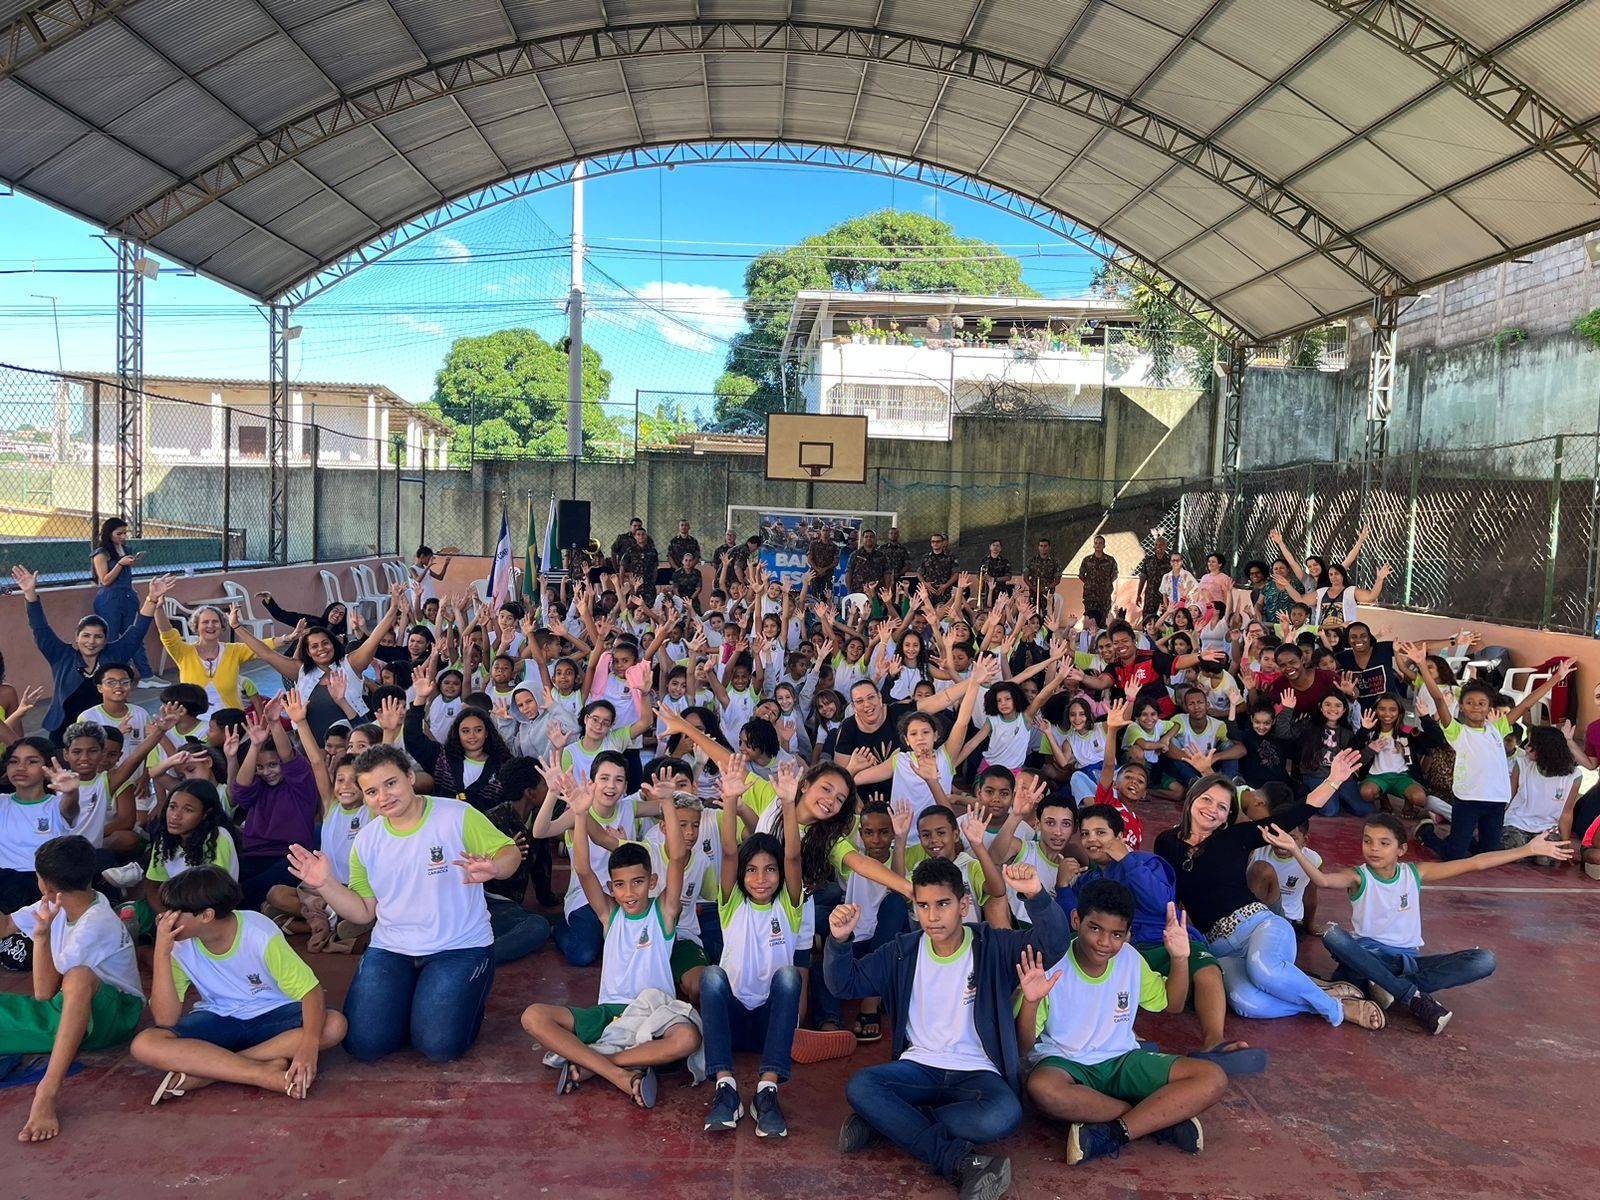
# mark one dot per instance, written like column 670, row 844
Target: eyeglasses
column 117, row 683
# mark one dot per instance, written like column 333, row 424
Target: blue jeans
column 1346, row 799
column 1257, row 961
column 239, row 1033
column 517, row 932
column 580, row 937
column 894, row 918
column 434, row 1001
column 1177, row 769
column 1401, row 972
column 710, row 931
column 259, row 874
column 730, row 1026
column 935, row 1115
column 1482, row 818
column 118, row 607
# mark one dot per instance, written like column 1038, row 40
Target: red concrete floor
column 1501, row 1105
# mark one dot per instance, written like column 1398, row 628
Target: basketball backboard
column 812, row 446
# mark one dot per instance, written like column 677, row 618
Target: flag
column 550, row 555
column 530, row 566
column 500, row 573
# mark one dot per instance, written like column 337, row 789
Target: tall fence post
column 1591, row 600
column 1027, row 507
column 1411, row 529
column 94, row 462
column 1183, row 524
column 316, row 492
column 377, row 505
column 422, row 507
column 1548, row 616
column 227, row 488
column 1311, row 511
column 398, row 472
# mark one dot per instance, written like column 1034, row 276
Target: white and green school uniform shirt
column 847, row 674
column 441, row 715
column 1292, row 880
column 255, row 975
column 25, row 825
column 1032, row 852
column 339, row 831
column 224, row 855
column 906, row 784
column 637, row 955
column 757, row 939
column 1088, row 746
column 1388, row 910
column 1483, row 772
column 941, row 1025
column 575, row 758
column 93, row 803
column 763, row 799
column 1008, row 740
column 98, row 940
column 570, row 703
column 672, row 704
column 622, row 823
column 621, row 696
column 970, row 868
column 1137, row 733
column 698, row 882
column 736, row 713
column 1208, row 737
column 1539, row 800
column 1088, row 1019
column 867, row 895
column 423, row 907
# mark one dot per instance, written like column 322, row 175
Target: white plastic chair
column 331, row 589
column 367, row 591
column 1522, row 682
column 260, row 626
column 396, row 572
column 178, row 617
column 853, row 600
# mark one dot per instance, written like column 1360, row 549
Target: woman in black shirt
column 1209, row 854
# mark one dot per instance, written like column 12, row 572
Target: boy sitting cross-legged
column 639, row 937
column 1087, row 1064
column 955, row 1080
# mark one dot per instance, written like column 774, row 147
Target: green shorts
column 1394, row 783
column 686, row 956
column 1156, row 956
column 28, row 1026
column 589, row 1023
column 1129, row 1077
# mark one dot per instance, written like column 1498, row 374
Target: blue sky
column 679, row 240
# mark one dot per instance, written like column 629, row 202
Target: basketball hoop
column 816, row 458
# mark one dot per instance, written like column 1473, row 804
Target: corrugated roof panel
column 672, row 114
column 422, row 123
column 1529, row 199
column 749, row 110
column 1115, row 50
column 447, row 28
column 588, row 81
column 1152, row 225
column 947, row 22
column 347, row 155
column 525, row 138
column 1200, row 88
column 1192, row 193
column 1431, row 240
column 1322, row 282
column 1446, row 138
column 197, row 36
column 1177, row 15
column 536, row 18
column 269, row 82
column 1272, row 305
column 598, row 123
column 1091, row 192
column 1054, row 128
column 1358, row 185
column 743, row 8
column 1212, row 266
column 1282, row 134
column 1132, row 160
column 646, row 73
column 274, row 193
column 1262, row 239
column 183, row 128
column 1357, row 79
column 632, row 12
column 1487, row 23
column 204, row 232
column 497, row 101
column 828, row 12
column 360, row 44
column 261, row 263
column 389, row 190
column 99, row 178
column 1559, row 61
column 100, row 74
column 455, row 161
column 732, row 70
column 1030, row 30
column 817, row 114
column 35, row 129
column 1268, row 36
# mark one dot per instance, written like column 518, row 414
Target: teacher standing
column 116, row 603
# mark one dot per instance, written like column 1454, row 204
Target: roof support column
column 278, row 338
column 1231, row 383
column 1380, row 389
column 131, row 265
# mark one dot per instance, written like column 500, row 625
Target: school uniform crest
column 971, row 993
column 1292, row 881
column 436, row 854
column 355, row 823
column 776, row 930
column 1122, row 1002
column 644, row 937
column 1405, row 902
column 254, row 980
column 44, row 824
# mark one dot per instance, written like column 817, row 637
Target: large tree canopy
column 885, row 251
column 506, row 394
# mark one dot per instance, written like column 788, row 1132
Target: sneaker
column 1091, row 1141
column 855, row 1135
column 983, row 1177
column 125, row 876
column 16, row 952
column 769, row 1117
column 725, row 1108
column 1430, row 1014
column 1382, row 997
column 152, row 682
column 1187, row 1136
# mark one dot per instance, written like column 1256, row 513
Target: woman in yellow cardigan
column 208, row 661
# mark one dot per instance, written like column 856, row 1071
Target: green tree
column 884, row 251
column 505, row 394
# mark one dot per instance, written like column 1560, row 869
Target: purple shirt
column 277, row 817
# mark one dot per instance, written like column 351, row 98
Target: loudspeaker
column 572, row 519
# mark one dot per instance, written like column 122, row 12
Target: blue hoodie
column 1154, row 886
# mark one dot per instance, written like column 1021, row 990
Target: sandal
column 869, row 1027
column 816, row 1045
column 567, row 1081
column 1364, row 1013
column 1340, row 990
column 645, row 1087
column 171, row 1087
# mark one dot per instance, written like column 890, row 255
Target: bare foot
column 274, row 1076
column 43, row 1123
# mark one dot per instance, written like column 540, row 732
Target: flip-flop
column 648, row 1086
column 1247, row 1060
column 565, row 1082
column 172, row 1086
column 17, row 1071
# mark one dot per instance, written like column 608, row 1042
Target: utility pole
column 575, row 324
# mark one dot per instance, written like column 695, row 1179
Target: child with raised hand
column 939, row 835
column 195, row 831
column 1056, row 819
column 639, row 931
column 1382, row 949
column 426, row 975
column 86, row 990
column 609, row 821
column 42, row 803
column 262, row 1019
column 751, row 999
column 1086, row 1064
column 956, row 1077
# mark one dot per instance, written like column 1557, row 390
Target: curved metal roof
column 1282, row 160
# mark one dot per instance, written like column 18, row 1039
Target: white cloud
column 431, row 328
column 696, row 316
column 492, row 289
column 449, row 247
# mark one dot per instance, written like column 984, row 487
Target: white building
column 189, row 420
column 909, row 362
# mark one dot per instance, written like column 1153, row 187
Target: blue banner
column 790, row 567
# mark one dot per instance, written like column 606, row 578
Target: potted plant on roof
column 985, row 328
column 856, row 337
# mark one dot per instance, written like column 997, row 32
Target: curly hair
column 199, row 845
